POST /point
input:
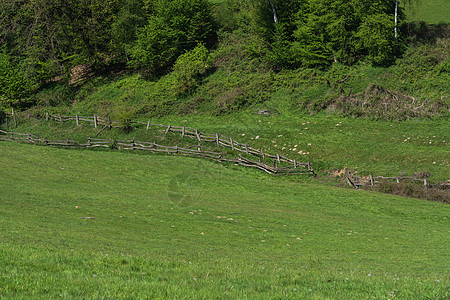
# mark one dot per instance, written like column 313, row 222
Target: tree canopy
column 46, row 38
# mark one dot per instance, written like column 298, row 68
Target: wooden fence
column 5, row 116
column 195, row 150
column 189, row 132
column 357, row 181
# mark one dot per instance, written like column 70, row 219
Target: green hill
column 94, row 224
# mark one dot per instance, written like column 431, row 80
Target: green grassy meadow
column 175, row 227
column 110, row 224
column 380, row 148
column 430, row 11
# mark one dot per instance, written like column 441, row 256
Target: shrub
column 188, row 68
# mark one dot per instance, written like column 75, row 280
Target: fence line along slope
column 194, row 150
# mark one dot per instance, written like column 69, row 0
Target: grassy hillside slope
column 169, row 227
column 331, row 143
column 430, row 11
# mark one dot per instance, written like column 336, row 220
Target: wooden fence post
column 183, row 131
column 60, row 118
column 217, row 139
column 371, row 180
column 168, row 128
column 232, row 146
column 295, row 163
column 77, row 118
column 349, row 179
column 47, row 116
column 197, row 133
column 148, row 124
column 425, row 183
column 14, row 117
column 95, row 121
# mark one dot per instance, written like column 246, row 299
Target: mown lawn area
column 176, row 227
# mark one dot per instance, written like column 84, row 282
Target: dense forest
column 43, row 41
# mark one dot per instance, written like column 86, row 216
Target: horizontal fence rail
column 357, row 181
column 195, row 150
column 292, row 167
column 195, row 134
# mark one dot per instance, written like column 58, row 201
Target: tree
column 14, row 83
column 131, row 16
column 176, row 27
column 376, row 39
column 53, row 35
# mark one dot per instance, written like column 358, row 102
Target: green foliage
column 123, row 114
column 130, row 17
column 429, row 11
column 133, row 94
column 309, row 48
column 54, row 94
column 177, row 26
column 156, row 45
column 376, row 37
column 188, row 68
column 279, row 54
column 14, row 84
column 317, row 33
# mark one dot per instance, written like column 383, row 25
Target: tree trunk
column 273, row 11
column 396, row 20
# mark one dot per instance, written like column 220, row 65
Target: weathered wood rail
column 195, row 150
column 357, row 181
column 195, row 134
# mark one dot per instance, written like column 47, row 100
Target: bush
column 188, row 68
